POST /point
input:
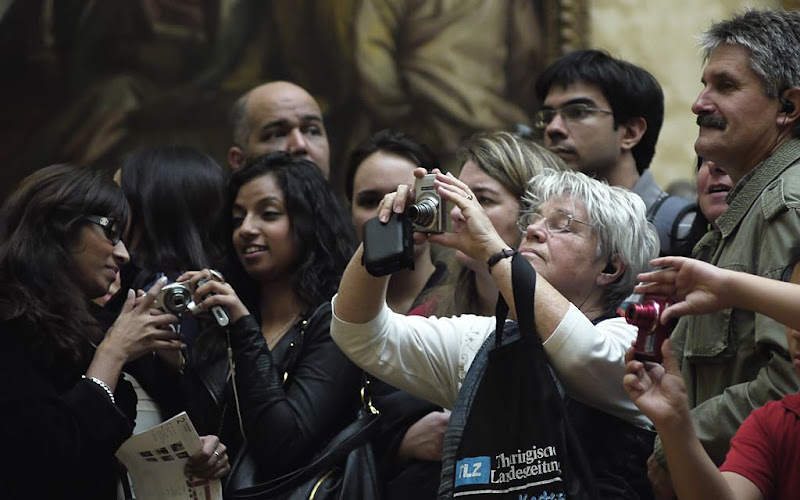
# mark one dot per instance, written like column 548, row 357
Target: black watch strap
column 502, row 254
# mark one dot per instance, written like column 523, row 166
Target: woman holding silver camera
column 293, row 389
column 496, row 166
column 66, row 408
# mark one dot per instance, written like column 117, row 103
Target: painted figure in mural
column 167, row 68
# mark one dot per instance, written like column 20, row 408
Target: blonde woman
column 497, row 167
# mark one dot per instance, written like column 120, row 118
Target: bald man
column 278, row 116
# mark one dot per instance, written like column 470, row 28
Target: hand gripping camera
column 177, row 299
column 430, row 213
column 647, row 317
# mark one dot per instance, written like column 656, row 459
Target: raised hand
column 140, row 329
column 698, row 287
column 477, row 236
column 215, row 291
column 658, row 390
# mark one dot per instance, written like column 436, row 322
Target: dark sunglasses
column 111, row 227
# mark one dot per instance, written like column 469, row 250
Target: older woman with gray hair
column 587, row 241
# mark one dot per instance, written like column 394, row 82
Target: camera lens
column 644, row 316
column 423, row 213
column 177, row 300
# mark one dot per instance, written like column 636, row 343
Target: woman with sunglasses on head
column 290, row 389
column 66, row 408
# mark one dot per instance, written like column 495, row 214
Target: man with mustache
column 602, row 116
column 734, row 361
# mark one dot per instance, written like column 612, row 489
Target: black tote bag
column 509, row 436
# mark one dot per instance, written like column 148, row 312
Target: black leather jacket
column 292, row 400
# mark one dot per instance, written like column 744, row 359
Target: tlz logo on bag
column 473, row 470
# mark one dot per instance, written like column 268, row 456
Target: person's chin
column 706, row 137
column 567, row 155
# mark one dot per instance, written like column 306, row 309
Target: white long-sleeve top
column 429, row 357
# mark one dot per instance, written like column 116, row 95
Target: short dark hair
column 177, row 195
column 39, row 222
column 631, row 92
column 321, row 228
column 391, row 141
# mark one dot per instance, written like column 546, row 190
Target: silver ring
column 217, row 275
column 219, row 457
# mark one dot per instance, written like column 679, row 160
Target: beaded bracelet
column 103, row 385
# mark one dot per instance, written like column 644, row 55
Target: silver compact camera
column 430, row 213
column 177, row 298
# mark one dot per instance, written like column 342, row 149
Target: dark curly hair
column 39, row 222
column 320, row 227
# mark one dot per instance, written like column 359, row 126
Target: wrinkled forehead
column 566, row 203
column 730, row 62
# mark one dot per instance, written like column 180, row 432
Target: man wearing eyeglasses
column 587, row 241
column 602, row 116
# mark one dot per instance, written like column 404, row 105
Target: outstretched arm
column 361, row 295
column 660, row 393
column 702, row 288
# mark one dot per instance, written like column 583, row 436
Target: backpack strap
column 666, row 215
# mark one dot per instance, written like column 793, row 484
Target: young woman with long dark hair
column 290, row 240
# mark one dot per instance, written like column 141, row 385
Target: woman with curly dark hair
column 290, row 240
column 66, row 408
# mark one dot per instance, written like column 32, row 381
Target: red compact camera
column 646, row 315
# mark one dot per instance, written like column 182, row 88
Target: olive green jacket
column 734, row 361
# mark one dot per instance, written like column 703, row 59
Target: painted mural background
column 85, row 81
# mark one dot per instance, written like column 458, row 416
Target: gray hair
column 618, row 218
column 773, row 39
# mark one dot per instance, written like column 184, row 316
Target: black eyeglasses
column 557, row 222
column 111, row 227
column 574, row 112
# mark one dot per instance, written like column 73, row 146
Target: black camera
column 177, row 299
column 389, row 247
column 429, row 213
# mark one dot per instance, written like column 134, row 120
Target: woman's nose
column 457, row 218
column 121, row 254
